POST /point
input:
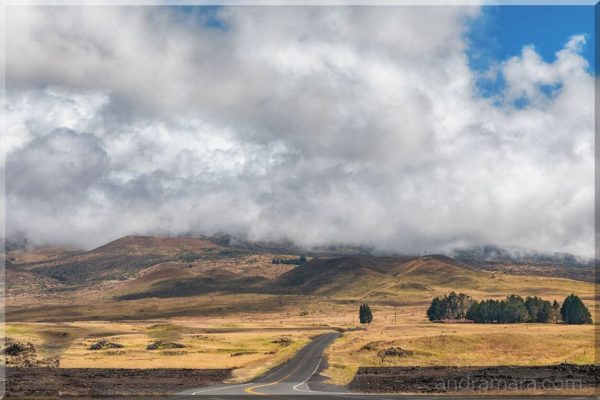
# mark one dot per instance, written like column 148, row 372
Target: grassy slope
column 461, row 345
column 417, row 280
column 175, row 289
column 307, row 296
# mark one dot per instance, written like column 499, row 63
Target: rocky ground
column 24, row 354
column 58, row 382
column 564, row 377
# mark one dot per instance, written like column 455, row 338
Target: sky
column 407, row 129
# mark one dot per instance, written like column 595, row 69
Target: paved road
column 289, row 379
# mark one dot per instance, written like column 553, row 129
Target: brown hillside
column 429, row 265
column 155, row 245
column 356, row 274
column 334, row 274
column 122, row 258
column 40, row 254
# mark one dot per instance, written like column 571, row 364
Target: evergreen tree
column 514, row 310
column 573, row 311
column 532, row 305
column 474, row 311
column 361, row 313
column 452, row 306
column 365, row 315
column 539, row 310
column 545, row 314
column 464, row 304
column 555, row 313
column 369, row 314
column 511, row 310
column 435, row 309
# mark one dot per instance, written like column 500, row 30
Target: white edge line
column 295, row 387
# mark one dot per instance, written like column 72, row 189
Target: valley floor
column 253, row 341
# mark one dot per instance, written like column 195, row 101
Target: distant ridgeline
column 295, row 261
column 519, row 255
column 514, row 309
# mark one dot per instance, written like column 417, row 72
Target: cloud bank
column 359, row 125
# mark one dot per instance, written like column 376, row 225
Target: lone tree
column 365, row 315
column 573, row 311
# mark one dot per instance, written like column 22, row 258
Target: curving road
column 288, row 379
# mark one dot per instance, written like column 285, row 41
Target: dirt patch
column 56, row 334
column 104, row 344
column 394, row 352
column 283, row 341
column 162, row 345
column 371, row 346
column 475, row 379
column 29, row 382
column 242, row 353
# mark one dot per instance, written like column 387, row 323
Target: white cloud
column 359, row 125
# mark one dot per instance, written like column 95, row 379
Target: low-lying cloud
column 315, row 124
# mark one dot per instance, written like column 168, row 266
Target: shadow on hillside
column 198, row 286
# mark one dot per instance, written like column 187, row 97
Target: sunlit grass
column 462, row 345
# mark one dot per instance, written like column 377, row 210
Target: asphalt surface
column 286, row 380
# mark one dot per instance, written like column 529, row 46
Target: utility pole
column 395, row 317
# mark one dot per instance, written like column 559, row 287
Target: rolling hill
column 164, row 246
column 336, row 274
column 120, row 259
column 361, row 274
column 138, row 267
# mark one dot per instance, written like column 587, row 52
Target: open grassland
column 229, row 309
column 425, row 284
column 244, row 339
column 249, row 351
column 430, row 344
column 402, row 291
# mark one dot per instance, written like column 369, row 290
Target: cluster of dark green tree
column 365, row 316
column 295, row 261
column 449, row 307
column 514, row 309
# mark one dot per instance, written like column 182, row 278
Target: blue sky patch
column 205, row 15
column 500, row 32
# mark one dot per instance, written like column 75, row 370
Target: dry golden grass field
column 230, row 310
column 244, row 340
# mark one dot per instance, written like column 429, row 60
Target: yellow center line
column 251, row 388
